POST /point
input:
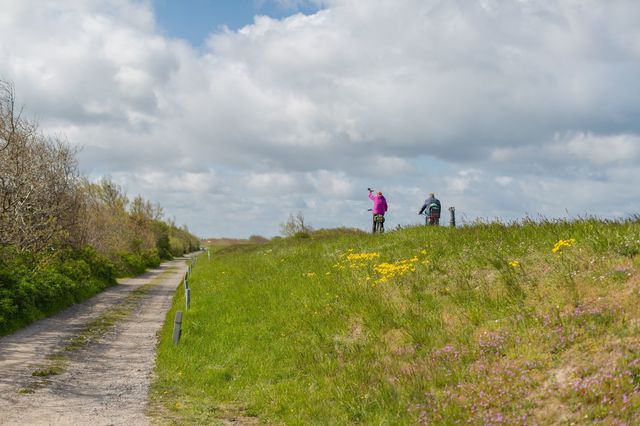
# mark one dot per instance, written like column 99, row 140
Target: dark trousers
column 378, row 226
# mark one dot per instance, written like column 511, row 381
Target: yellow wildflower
column 388, row 270
column 514, row 263
column 561, row 244
column 355, row 260
column 355, row 257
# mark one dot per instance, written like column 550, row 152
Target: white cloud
column 332, row 185
column 604, row 150
column 504, row 180
column 272, row 183
column 526, row 102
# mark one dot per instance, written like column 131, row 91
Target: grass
column 487, row 324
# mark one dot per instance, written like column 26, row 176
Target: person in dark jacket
column 432, row 207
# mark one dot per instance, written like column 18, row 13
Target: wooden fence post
column 452, row 221
column 187, row 298
column 177, row 328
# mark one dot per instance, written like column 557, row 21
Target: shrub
column 131, row 264
column 32, row 288
column 177, row 246
column 151, row 259
column 164, row 247
column 295, row 225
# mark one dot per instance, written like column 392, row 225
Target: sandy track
column 105, row 383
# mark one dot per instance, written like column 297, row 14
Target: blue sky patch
column 194, row 20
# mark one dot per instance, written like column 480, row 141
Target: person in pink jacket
column 379, row 209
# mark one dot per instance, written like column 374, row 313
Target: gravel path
column 105, row 383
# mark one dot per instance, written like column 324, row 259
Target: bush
column 164, row 247
column 295, row 225
column 131, row 264
column 151, row 259
column 178, row 248
column 32, row 288
column 48, row 291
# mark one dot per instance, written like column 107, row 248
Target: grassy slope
column 481, row 323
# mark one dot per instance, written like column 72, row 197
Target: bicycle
column 378, row 222
column 431, row 218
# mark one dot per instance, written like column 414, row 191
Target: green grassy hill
column 488, row 324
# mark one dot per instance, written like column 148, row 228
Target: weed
column 51, row 370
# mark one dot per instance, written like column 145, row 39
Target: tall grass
column 483, row 324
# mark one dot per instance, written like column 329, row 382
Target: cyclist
column 379, row 209
column 432, row 207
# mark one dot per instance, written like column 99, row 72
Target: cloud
column 605, row 150
column 332, row 185
column 575, row 155
column 272, row 183
column 526, row 103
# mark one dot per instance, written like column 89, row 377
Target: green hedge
column 32, row 288
column 131, row 264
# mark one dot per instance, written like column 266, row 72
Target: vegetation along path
column 92, row 363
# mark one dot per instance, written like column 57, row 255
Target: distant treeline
column 62, row 237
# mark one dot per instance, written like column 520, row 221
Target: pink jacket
column 379, row 203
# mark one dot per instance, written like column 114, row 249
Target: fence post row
column 177, row 328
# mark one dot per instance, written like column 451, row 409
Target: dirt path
column 103, row 382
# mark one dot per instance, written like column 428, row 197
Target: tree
column 11, row 123
column 39, row 199
column 295, row 225
column 45, row 204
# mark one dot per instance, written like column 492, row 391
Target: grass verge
column 488, row 324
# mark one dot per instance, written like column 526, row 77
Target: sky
column 235, row 114
column 195, row 20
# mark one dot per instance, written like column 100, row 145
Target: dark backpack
column 434, row 210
